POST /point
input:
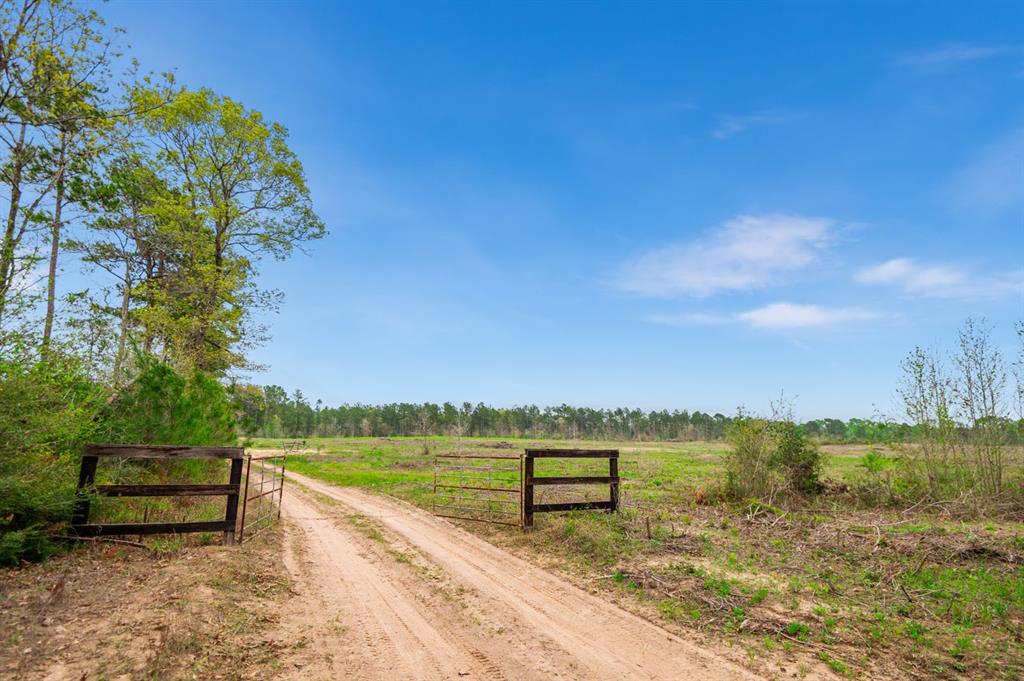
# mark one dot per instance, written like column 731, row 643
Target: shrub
column 749, row 471
column 160, row 406
column 768, row 458
column 961, row 425
column 875, row 483
column 47, row 412
column 797, row 457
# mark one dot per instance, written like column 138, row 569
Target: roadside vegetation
column 167, row 197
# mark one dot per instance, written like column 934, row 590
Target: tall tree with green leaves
column 243, row 197
column 128, row 242
column 54, row 62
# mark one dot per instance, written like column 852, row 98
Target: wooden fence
column 87, row 478
column 500, row 489
column 530, row 481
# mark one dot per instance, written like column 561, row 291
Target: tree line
column 270, row 411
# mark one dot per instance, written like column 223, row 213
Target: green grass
column 657, row 471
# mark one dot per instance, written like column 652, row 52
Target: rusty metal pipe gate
column 266, row 511
column 479, row 487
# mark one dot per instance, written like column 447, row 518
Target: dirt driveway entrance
column 386, row 590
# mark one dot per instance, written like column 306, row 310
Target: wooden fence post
column 86, row 478
column 613, row 473
column 527, row 490
column 231, row 512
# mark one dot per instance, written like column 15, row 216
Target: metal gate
column 480, row 487
column 263, row 482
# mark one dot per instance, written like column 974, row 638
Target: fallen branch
column 809, row 644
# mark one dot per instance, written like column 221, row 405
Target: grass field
column 866, row 593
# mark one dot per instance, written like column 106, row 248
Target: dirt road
column 385, row 590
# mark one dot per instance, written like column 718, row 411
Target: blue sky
column 664, row 206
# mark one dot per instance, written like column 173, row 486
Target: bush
column 47, row 412
column 874, row 483
column 770, row 458
column 959, row 407
column 749, row 472
column 797, row 457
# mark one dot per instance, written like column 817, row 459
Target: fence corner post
column 231, row 512
column 613, row 473
column 527, row 485
column 86, row 479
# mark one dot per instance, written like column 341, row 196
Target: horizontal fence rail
column 572, row 453
column 91, row 456
column 163, row 490
column 164, row 452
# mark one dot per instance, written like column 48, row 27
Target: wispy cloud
column 994, row 180
column 745, row 253
column 940, row 281
column 781, row 316
column 952, row 55
column 778, row 316
column 734, row 124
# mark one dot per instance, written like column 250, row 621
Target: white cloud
column 735, row 124
column 745, row 253
column 774, row 317
column 911, row 276
column 952, row 55
column 940, row 281
column 995, row 179
column 780, row 316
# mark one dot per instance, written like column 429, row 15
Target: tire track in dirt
column 393, row 634
column 557, row 629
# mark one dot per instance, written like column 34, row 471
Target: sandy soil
column 385, row 590
column 112, row 613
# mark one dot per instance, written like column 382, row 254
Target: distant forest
column 271, row 412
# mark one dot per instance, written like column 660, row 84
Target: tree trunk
column 7, row 249
column 147, row 335
column 122, row 339
column 51, row 276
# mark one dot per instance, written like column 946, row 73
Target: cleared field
column 657, row 471
column 825, row 589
